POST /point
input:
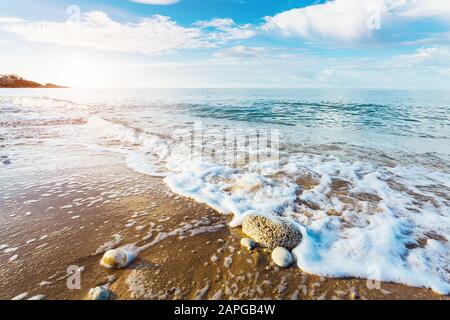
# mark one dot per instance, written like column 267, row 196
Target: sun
column 82, row 70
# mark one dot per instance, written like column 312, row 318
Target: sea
column 365, row 174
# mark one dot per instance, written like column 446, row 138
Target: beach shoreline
column 88, row 171
column 194, row 255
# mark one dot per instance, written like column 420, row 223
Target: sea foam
column 359, row 218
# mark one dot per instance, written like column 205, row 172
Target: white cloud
column 436, row 38
column 352, row 20
column 435, row 57
column 230, row 30
column 342, row 20
column 427, row 67
column 151, row 35
column 239, row 52
column 157, row 2
column 243, row 53
column 216, row 23
column 426, row 9
column 433, row 52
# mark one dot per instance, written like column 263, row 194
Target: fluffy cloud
column 352, row 20
column 157, row 2
column 425, row 9
column 342, row 20
column 151, row 35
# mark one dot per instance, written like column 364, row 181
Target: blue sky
column 184, row 12
column 228, row 43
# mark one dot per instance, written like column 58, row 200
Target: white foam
column 110, row 244
column 392, row 223
column 140, row 163
column 145, row 159
column 232, row 191
column 115, row 131
column 10, row 250
column 20, row 296
column 373, row 240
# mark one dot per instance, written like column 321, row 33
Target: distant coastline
column 15, row 81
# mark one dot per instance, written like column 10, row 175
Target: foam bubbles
column 359, row 218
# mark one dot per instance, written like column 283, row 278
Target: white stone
column 120, row 257
column 114, row 258
column 282, row 257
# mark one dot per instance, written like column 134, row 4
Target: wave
column 17, row 111
column 145, row 153
column 359, row 218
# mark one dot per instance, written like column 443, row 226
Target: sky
column 228, row 43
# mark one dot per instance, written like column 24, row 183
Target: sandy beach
column 87, row 171
column 193, row 254
column 224, row 150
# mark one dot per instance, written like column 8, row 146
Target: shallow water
column 365, row 173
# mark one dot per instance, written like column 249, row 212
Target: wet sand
column 53, row 224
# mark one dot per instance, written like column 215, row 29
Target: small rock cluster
column 272, row 232
column 275, row 233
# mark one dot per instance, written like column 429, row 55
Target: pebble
column 120, row 257
column 282, row 257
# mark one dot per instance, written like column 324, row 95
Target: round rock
column 272, row 232
column 248, row 243
column 120, row 257
column 282, row 257
column 114, row 259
